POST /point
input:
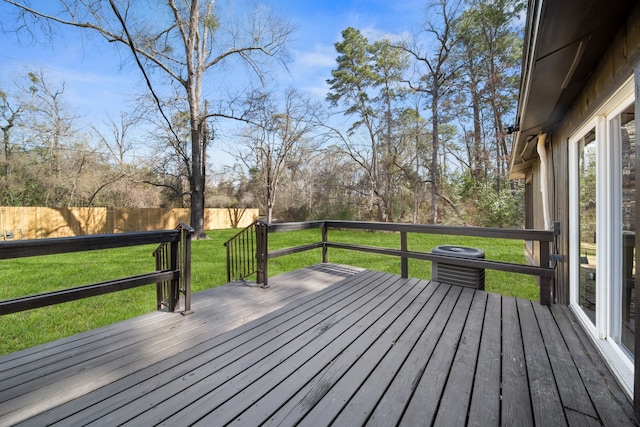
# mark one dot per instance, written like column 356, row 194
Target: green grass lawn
column 27, row 276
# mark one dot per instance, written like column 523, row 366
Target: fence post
column 404, row 261
column 545, row 282
column 325, row 233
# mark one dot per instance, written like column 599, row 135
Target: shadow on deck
column 325, row 344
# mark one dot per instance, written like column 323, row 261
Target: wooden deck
column 324, row 345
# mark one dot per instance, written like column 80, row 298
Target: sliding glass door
column 623, row 136
column 602, row 223
column 588, row 260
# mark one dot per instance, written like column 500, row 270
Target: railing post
column 262, row 255
column 404, row 261
column 259, row 272
column 546, row 298
column 228, row 247
column 174, row 293
column 185, row 269
column 325, row 233
column 160, row 257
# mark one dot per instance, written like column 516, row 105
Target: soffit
column 571, row 38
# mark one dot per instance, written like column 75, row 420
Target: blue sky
column 321, row 23
column 96, row 83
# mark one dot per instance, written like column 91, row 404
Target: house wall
column 615, row 67
column 557, row 181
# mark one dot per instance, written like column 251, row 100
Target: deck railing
column 174, row 269
column 544, row 273
column 175, row 255
column 246, row 251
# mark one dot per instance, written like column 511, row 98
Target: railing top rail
column 293, row 226
column 186, row 227
column 182, row 227
column 244, row 230
column 503, row 233
column 59, row 245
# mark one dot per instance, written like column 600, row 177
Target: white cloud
column 318, row 88
column 320, row 57
column 374, row 34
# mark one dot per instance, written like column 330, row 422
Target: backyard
column 26, row 276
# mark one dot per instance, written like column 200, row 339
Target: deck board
column 515, row 386
column 350, row 370
column 456, row 398
column 545, row 397
column 399, row 392
column 607, row 397
column 423, row 405
column 485, row 408
column 235, row 305
column 230, row 351
column 572, row 392
column 372, row 389
column 331, row 345
column 324, row 345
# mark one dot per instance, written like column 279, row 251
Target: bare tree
column 125, row 181
column 189, row 42
column 414, row 140
column 277, row 139
column 52, row 131
column 56, row 122
column 116, row 139
column 432, row 51
column 12, row 108
column 37, row 130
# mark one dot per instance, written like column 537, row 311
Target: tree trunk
column 433, row 218
column 477, row 163
column 196, row 181
column 196, row 184
column 7, row 150
column 193, row 88
column 416, row 181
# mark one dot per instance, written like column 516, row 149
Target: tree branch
column 141, row 67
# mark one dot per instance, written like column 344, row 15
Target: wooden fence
column 41, row 222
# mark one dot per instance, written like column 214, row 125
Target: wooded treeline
column 412, row 129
